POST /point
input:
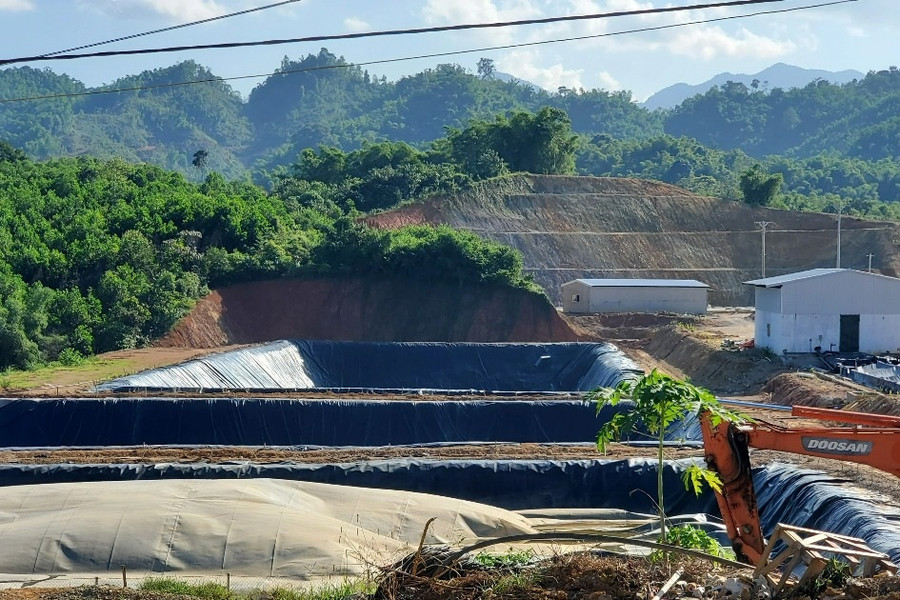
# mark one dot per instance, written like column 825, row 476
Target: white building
column 635, row 295
column 832, row 309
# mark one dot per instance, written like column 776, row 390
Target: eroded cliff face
column 365, row 309
column 595, row 227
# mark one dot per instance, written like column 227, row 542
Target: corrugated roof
column 778, row 281
column 690, row 283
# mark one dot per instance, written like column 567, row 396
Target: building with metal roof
column 841, row 310
column 635, row 295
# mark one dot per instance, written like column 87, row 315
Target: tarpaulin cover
column 301, row 364
column 27, row 422
column 786, row 494
column 881, row 375
column 256, row 527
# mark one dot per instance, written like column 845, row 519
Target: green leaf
column 695, row 478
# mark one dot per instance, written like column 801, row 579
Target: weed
column 688, row 536
column 70, row 357
column 687, row 325
column 510, row 560
column 214, row 591
column 5, row 382
column 835, row 575
column 329, row 591
column 207, row 591
column 508, row 584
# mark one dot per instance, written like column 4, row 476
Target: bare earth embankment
column 574, row 227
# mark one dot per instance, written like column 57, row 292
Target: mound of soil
column 686, row 346
column 823, row 391
column 362, row 309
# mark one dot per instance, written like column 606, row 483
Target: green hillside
column 832, row 144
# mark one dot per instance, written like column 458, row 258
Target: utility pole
column 870, row 261
column 762, row 227
column 840, row 210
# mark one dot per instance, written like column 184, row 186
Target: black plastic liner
column 325, row 365
column 785, row 493
column 816, row 500
column 26, row 423
column 510, row 484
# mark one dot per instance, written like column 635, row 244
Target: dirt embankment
column 824, row 391
column 575, row 227
column 686, row 346
column 693, row 347
column 360, row 309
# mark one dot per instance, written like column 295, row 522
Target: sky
column 862, row 35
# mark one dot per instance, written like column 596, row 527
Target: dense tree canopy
column 99, row 255
column 321, row 100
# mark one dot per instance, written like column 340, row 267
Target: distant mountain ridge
column 778, row 75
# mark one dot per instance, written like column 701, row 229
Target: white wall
column 574, row 289
column 845, row 292
column 649, row 299
column 768, row 299
column 602, row 299
column 800, row 333
column 879, row 333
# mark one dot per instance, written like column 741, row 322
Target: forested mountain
column 780, row 76
column 858, row 119
column 316, row 100
column 832, row 145
column 321, row 100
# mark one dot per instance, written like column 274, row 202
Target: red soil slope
column 363, row 309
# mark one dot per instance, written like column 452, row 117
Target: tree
column 486, row 68
column 658, row 402
column 10, row 153
column 200, row 160
column 540, row 142
column 758, row 187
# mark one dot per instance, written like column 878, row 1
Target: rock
column 732, row 587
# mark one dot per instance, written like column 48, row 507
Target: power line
column 95, row 92
column 392, row 32
column 172, row 28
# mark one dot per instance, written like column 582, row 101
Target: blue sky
column 861, row 35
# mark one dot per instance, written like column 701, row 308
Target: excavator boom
column 871, row 440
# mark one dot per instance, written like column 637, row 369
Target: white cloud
column 16, row 5
column 878, row 15
column 524, row 66
column 445, row 12
column 479, row 11
column 354, row 24
column 172, row 10
column 709, row 43
column 608, row 82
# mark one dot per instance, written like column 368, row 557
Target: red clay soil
column 361, row 309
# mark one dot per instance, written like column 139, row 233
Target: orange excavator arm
column 871, row 440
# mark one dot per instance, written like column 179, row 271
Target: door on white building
column 849, row 341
